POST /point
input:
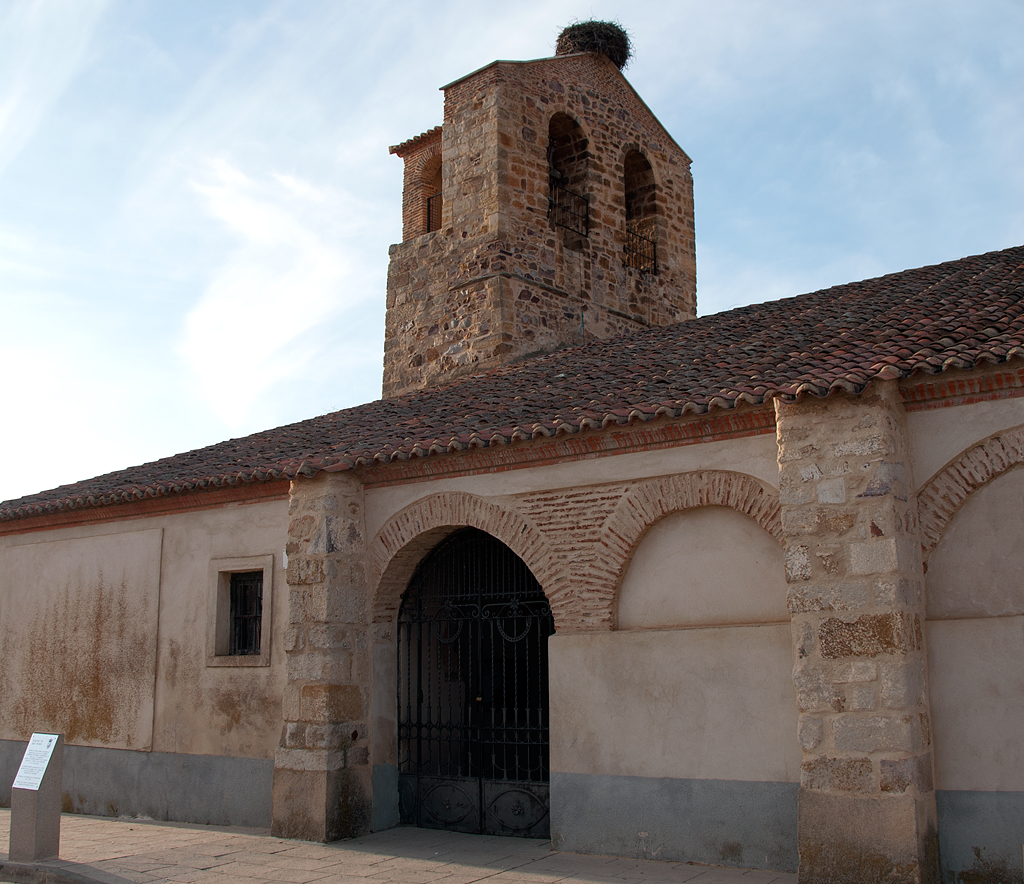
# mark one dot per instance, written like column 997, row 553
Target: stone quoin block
column 806, row 597
column 838, row 774
column 331, row 702
column 892, row 733
column 902, row 683
column 870, row 635
column 903, row 774
column 810, row 732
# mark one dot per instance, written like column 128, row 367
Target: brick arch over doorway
column 647, row 502
column 579, row 566
column 409, row 535
column 945, row 493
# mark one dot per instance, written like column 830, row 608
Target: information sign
column 33, row 764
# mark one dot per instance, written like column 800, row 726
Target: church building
column 743, row 589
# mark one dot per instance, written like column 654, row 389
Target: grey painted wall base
column 224, row 791
column 980, row 836
column 385, row 797
column 730, row 822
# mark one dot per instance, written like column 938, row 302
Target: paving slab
column 103, row 850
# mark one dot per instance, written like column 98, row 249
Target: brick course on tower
column 566, row 215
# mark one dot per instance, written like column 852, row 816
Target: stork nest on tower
column 607, row 37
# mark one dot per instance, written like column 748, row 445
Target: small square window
column 239, row 611
column 246, row 612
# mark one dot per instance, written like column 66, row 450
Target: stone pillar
column 853, row 564
column 322, row 788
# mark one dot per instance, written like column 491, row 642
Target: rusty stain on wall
column 82, row 660
column 84, row 664
column 239, row 709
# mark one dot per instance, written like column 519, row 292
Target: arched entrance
column 473, row 691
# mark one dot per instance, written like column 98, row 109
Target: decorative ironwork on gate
column 473, row 692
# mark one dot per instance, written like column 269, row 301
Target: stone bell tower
column 551, row 208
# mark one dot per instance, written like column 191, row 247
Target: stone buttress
column 322, row 785
column 853, row 565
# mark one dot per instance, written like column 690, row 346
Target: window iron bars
column 569, row 210
column 433, row 213
column 641, row 250
column 246, row 613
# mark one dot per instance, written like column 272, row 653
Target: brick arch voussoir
column 942, row 496
column 649, row 501
column 409, row 535
column 425, row 157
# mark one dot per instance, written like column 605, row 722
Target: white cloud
column 282, row 279
column 299, row 188
column 43, row 44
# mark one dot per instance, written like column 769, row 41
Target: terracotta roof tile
column 956, row 315
column 409, row 143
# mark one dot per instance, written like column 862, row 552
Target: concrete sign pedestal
column 35, row 801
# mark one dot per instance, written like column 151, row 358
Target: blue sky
column 196, row 198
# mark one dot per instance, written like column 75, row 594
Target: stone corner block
column 321, row 703
column 877, row 733
column 308, row 760
column 832, row 490
column 875, row 556
column 905, row 774
column 303, row 571
column 320, row 805
column 869, row 635
column 838, row 774
column 798, row 563
column 880, row 837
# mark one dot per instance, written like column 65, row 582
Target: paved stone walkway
column 120, row 851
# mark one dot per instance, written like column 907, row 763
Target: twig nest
column 607, row 37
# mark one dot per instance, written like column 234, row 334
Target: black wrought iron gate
column 473, row 692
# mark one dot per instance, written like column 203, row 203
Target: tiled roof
column 402, row 148
column 960, row 314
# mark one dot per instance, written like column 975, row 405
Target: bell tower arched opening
column 641, row 213
column 567, row 173
column 473, row 723
column 432, row 195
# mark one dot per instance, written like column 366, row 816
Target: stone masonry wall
column 853, row 564
column 499, row 281
column 591, row 90
column 322, row 789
